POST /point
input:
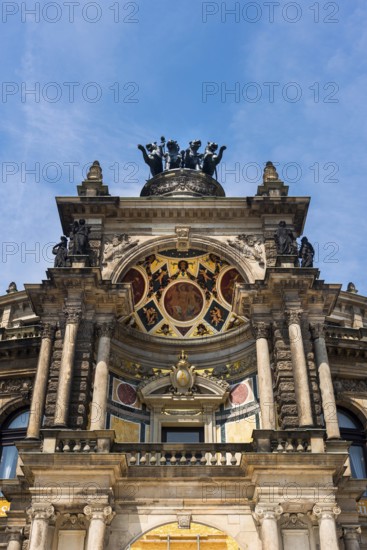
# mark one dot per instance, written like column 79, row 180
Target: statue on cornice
column 193, row 159
column 60, row 250
column 154, row 157
column 211, row 159
column 173, row 156
column 306, row 253
column 79, row 238
column 285, row 240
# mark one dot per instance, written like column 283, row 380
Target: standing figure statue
column 211, row 159
column 80, row 238
column 155, row 157
column 193, row 158
column 60, row 250
column 306, row 253
column 173, row 156
column 285, row 241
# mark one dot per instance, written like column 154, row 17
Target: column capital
column 105, row 329
column 103, row 513
column 351, row 532
column 293, row 316
column 267, row 511
column 326, row 511
column 48, row 330
column 41, row 510
column 14, row 534
column 260, row 329
column 73, row 314
column 317, row 330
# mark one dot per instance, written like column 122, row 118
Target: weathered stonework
column 283, row 374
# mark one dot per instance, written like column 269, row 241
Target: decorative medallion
column 126, row 394
column 138, row 283
column 227, row 283
column 239, row 394
column 183, row 376
column 183, row 301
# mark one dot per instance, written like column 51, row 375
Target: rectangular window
column 182, row 435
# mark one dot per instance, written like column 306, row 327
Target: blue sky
column 143, row 69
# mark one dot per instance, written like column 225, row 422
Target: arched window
column 351, row 429
column 14, row 430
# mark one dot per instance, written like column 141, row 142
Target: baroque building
column 183, row 378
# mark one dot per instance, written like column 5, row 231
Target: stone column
column 40, row 384
column 15, row 539
column 73, row 316
column 266, row 395
column 352, row 537
column 326, row 515
column 41, row 515
column 99, row 517
column 100, row 387
column 300, row 372
column 267, row 516
column 326, row 383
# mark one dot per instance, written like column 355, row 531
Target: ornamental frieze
column 16, row 385
column 250, row 247
column 347, row 385
column 116, row 247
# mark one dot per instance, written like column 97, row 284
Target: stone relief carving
column 251, row 247
column 347, row 385
column 115, row 249
column 183, row 376
column 73, row 521
column 293, row 521
column 17, row 385
column 184, row 521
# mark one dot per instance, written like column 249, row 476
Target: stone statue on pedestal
column 211, row 159
column 79, row 238
column 193, row 158
column 285, row 240
column 306, row 253
column 154, row 157
column 173, row 156
column 60, row 250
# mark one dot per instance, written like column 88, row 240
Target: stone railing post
column 40, row 384
column 326, row 515
column 326, row 383
column 41, row 515
column 300, row 373
column 15, row 538
column 73, row 315
column 99, row 517
column 100, row 386
column 267, row 516
column 266, row 395
column 352, row 537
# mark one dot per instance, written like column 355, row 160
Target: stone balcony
column 183, row 459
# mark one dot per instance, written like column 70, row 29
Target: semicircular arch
column 207, row 244
column 196, row 527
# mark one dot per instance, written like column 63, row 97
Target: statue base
column 290, row 260
column 79, row 260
